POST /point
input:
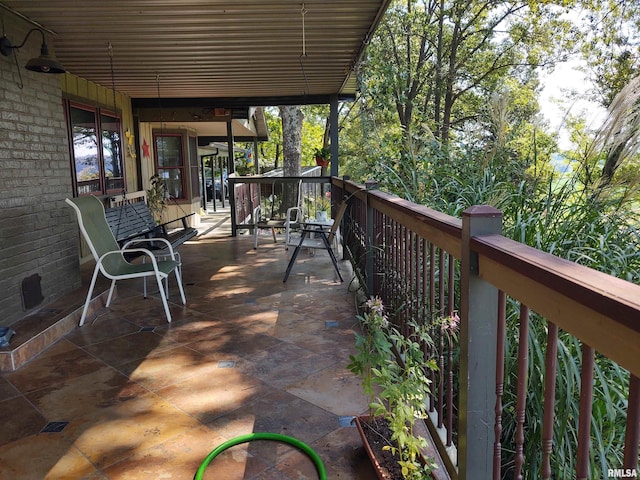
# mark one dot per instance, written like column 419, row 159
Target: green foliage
column 313, row 133
column 571, row 215
column 611, row 48
column 323, row 153
column 433, row 64
column 566, row 219
column 395, row 379
column 271, row 151
column 499, row 153
column 157, row 197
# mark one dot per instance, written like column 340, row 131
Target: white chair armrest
column 144, row 251
column 149, row 240
column 298, row 215
column 256, row 214
column 294, row 215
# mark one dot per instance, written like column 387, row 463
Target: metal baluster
column 406, row 280
column 416, row 255
column 584, row 419
column 450, row 309
column 441, row 271
column 440, row 310
column 551, row 362
column 384, row 255
column 500, row 336
column 632, row 433
column 396, row 250
column 432, row 310
column 523, row 364
column 424, row 270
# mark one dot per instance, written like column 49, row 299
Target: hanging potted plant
column 323, row 156
column 395, row 379
column 157, row 197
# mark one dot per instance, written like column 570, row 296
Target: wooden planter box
column 381, row 471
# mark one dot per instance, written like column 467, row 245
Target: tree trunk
column 291, row 139
column 292, row 152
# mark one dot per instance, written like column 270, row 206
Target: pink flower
column 450, row 323
column 374, row 304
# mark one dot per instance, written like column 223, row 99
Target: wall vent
column 31, row 292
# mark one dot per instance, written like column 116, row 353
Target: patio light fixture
column 45, row 63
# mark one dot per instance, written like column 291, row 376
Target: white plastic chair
column 109, row 257
column 261, row 222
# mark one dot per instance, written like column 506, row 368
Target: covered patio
column 129, row 396
column 132, row 397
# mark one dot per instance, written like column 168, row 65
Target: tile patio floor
column 147, row 400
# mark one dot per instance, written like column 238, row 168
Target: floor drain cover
column 54, row 427
column 346, row 421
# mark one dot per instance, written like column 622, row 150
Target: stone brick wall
column 38, row 231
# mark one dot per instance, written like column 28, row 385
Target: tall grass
column 590, row 216
column 567, row 219
column 573, row 217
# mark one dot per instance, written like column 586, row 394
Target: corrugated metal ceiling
column 209, row 48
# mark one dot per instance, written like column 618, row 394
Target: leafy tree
column 271, row 151
column 434, row 62
column 611, row 49
column 314, row 118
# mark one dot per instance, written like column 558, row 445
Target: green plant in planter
column 323, row 204
column 373, row 347
column 404, row 399
column 395, row 379
column 322, row 153
column 323, row 156
column 157, row 197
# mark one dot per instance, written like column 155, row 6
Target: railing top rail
column 599, row 309
column 441, row 229
column 267, row 179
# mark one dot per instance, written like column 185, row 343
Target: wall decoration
column 130, row 149
column 145, row 149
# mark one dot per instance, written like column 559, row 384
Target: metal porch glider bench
column 134, row 220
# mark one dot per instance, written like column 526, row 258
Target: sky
column 555, row 103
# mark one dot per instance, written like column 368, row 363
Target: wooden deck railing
column 426, row 265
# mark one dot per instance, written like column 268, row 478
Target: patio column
column 231, row 169
column 478, row 329
column 333, row 134
column 256, row 166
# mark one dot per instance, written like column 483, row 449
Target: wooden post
column 478, row 329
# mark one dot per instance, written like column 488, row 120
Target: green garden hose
column 263, row 436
